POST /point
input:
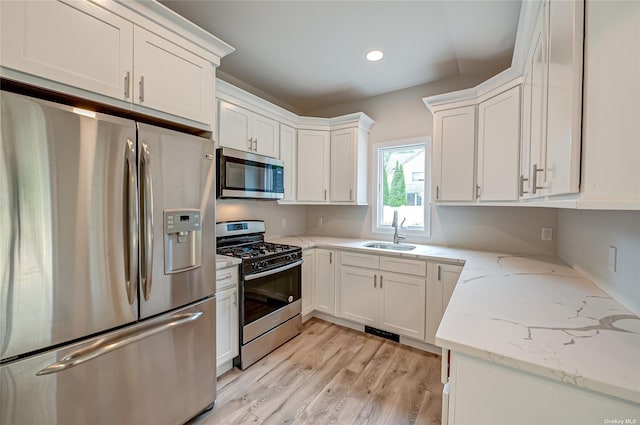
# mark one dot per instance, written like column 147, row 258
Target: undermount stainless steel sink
column 392, row 246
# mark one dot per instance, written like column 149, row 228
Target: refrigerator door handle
column 147, row 226
column 131, row 211
column 106, row 345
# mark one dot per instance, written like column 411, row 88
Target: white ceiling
column 311, row 54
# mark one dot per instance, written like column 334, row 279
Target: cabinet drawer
column 402, row 265
column 226, row 278
column 359, row 260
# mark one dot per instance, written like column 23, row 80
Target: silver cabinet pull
column 224, row 277
column 522, row 180
column 351, row 194
column 325, row 194
column 106, row 345
column 380, row 281
column 477, row 191
column 534, row 178
column 141, row 88
column 250, row 142
column 255, row 144
column 235, row 298
column 439, row 272
column 375, row 280
column 331, row 258
column 147, row 226
column 131, row 210
column 126, row 85
column 437, row 192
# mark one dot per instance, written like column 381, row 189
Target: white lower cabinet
column 441, row 281
column 389, row 301
column 324, row 292
column 227, row 319
column 307, row 281
column 483, row 392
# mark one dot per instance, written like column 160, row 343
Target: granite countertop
column 531, row 313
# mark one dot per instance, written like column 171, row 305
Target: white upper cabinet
column 241, row 129
column 454, row 154
column 564, row 97
column 349, row 166
column 288, row 154
column 171, row 79
column 498, row 147
column 112, row 54
column 313, row 165
column 538, row 108
column 79, row 44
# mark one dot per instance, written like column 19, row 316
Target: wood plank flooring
column 330, row 374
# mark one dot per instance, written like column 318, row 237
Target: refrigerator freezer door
column 68, row 200
column 165, row 376
column 177, row 195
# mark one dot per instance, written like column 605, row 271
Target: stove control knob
column 264, row 264
column 290, row 298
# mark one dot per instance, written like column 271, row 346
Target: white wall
column 403, row 115
column 269, row 211
column 584, row 238
column 501, row 229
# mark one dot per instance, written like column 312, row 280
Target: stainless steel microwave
column 245, row 175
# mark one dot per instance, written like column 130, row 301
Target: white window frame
column 377, row 189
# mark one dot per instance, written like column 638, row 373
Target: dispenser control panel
column 178, row 221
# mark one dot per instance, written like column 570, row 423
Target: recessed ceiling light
column 374, row 55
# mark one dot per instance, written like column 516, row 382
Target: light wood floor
column 332, row 375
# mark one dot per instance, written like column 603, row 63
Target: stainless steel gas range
column 270, row 288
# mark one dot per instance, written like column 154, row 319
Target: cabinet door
column 233, row 127
column 75, row 43
column 324, row 293
column 498, row 144
column 564, row 99
column 343, row 163
column 359, row 295
column 170, row 79
column 313, row 165
column 307, row 281
column 226, row 325
column 403, row 304
column 441, row 280
column 454, row 154
column 266, row 134
column 538, row 106
column 288, row 154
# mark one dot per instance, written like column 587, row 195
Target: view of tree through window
column 402, row 180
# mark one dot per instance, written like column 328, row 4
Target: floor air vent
column 382, row 334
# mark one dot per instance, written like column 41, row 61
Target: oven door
column 249, row 176
column 270, row 298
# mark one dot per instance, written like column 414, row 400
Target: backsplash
column 273, row 214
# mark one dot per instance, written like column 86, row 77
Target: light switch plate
column 547, row 233
column 613, row 254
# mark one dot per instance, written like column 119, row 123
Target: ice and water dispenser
column 182, row 240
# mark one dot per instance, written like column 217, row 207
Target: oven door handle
column 274, row 271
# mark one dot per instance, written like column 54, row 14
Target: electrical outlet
column 284, row 222
column 613, row 254
column 547, row 233
column 319, row 221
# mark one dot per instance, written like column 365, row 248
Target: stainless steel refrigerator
column 107, row 268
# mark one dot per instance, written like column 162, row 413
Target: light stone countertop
column 224, row 262
column 531, row 313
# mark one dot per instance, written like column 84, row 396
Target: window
column 401, row 167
